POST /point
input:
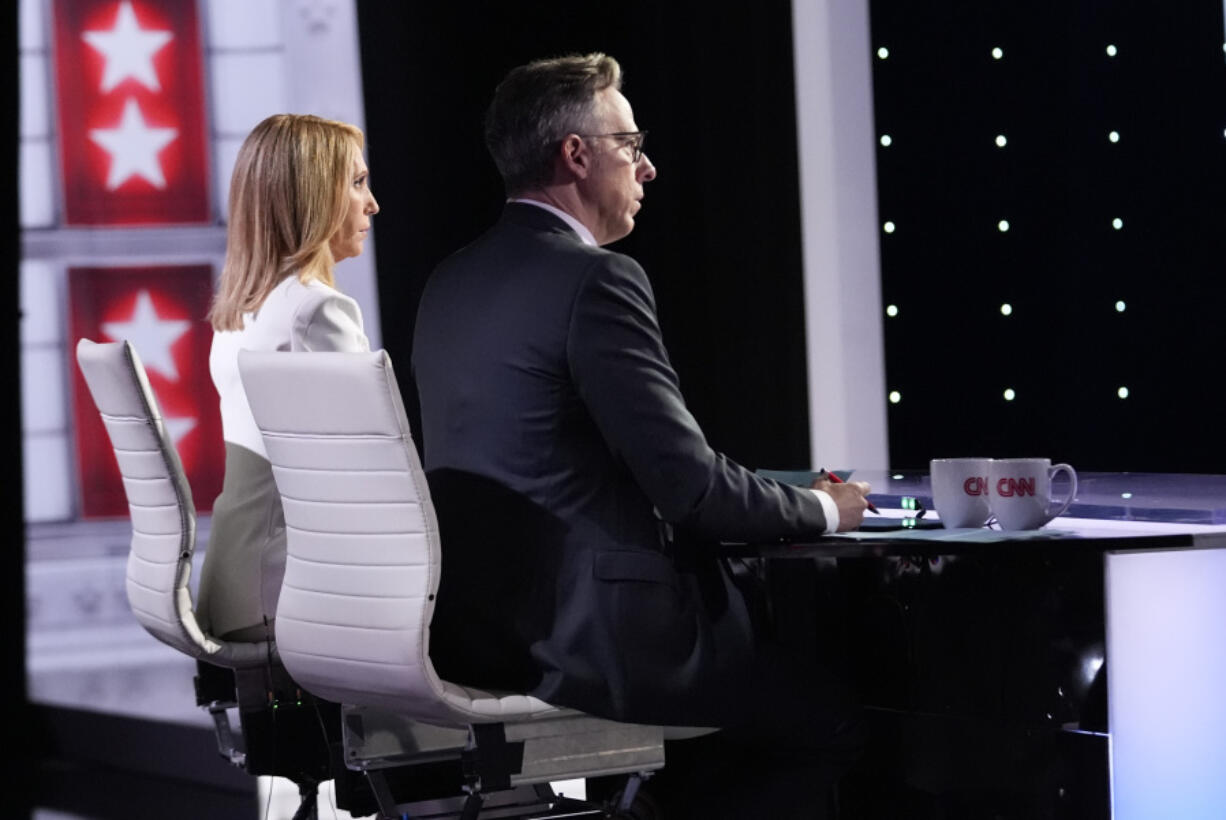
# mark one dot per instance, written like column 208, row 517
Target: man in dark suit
column 579, row 503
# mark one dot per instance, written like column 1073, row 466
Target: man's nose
column 646, row 171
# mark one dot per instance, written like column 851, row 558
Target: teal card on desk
column 800, row 478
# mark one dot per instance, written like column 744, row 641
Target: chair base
column 554, row 748
column 423, row 771
column 283, row 731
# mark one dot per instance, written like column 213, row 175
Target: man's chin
column 623, row 231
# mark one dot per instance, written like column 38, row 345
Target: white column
column 1166, row 683
column 838, row 190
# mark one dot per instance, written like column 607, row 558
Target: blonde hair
column 288, row 197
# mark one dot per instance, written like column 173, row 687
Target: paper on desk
column 800, row 478
column 973, row 535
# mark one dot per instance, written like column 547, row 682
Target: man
column 579, row 503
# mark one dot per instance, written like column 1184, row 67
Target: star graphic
column 151, row 335
column 178, row 427
column 134, row 148
column 128, row 50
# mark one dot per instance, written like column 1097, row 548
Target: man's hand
column 850, row 498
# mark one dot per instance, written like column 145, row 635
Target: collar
column 575, row 225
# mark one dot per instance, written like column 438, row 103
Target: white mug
column 1021, row 492
column 960, row 490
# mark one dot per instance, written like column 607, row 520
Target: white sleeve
column 333, row 322
column 829, row 508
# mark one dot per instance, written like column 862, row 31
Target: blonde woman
column 300, row 202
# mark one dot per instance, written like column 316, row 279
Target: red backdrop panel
column 160, row 310
column 131, row 104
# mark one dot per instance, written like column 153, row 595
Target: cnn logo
column 975, row 485
column 1009, row 487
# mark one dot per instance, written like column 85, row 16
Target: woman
column 299, row 203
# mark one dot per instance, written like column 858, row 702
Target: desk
column 984, row 657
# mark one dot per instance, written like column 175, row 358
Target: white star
column 134, row 148
column 178, row 427
column 128, row 50
column 150, row 335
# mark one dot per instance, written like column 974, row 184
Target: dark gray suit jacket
column 557, row 442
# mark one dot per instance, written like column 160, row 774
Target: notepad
column 800, row 478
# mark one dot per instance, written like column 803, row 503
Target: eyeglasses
column 633, row 139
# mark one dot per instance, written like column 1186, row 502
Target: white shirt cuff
column 829, row 508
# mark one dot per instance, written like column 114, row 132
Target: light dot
column 1122, row 392
column 997, row 53
column 883, row 52
column 1114, row 136
column 1003, row 225
column 888, row 227
column 895, row 397
column 1125, row 495
column 1001, row 142
column 1006, row 309
column 1009, row 394
column 891, row 310
column 898, row 476
column 1111, row 51
column 1119, row 306
column 1117, row 223
column 885, row 140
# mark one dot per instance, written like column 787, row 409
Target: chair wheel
column 642, row 808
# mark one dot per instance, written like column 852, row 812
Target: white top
column 294, row 317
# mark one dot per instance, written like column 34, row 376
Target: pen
column 834, row 479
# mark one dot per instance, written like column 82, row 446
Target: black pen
column 834, row 479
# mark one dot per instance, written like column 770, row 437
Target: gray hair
column 536, row 106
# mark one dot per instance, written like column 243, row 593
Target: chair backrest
column 353, row 620
column 160, row 503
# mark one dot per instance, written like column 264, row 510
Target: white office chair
column 232, row 675
column 353, row 620
column 160, row 502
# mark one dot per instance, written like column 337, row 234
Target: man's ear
column 576, row 156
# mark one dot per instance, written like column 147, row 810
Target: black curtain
column 11, row 517
column 719, row 234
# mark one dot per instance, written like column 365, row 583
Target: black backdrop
column 12, row 611
column 719, row 233
column 1065, row 350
